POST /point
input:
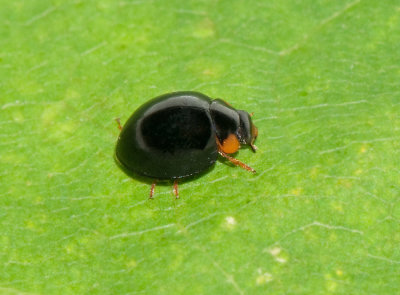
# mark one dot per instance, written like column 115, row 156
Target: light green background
column 320, row 217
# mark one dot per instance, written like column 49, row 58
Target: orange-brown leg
column 236, row 162
column 232, row 145
column 119, row 123
column 153, row 186
column 176, row 189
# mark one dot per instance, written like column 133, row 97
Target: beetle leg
column 119, row 123
column 153, row 185
column 236, row 162
column 253, row 147
column 176, row 189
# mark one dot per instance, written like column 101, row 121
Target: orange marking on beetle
column 230, row 145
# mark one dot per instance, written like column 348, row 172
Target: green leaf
column 322, row 214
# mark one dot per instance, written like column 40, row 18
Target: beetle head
column 247, row 131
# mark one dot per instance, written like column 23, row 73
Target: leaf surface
column 321, row 216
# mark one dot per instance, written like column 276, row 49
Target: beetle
column 180, row 134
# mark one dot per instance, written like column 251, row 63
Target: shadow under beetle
column 179, row 135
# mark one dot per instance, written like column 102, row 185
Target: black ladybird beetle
column 180, row 134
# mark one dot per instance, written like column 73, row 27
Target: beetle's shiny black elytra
column 180, row 134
